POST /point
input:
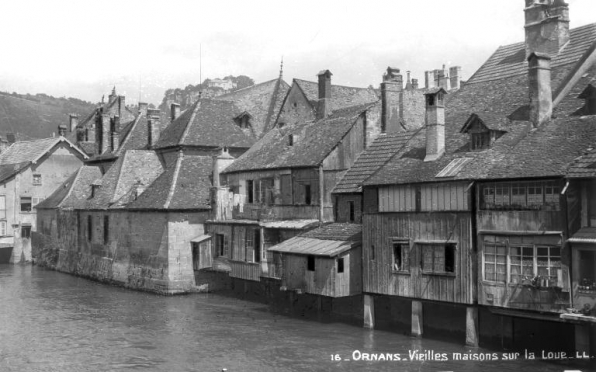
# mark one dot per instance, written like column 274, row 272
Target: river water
column 51, row 321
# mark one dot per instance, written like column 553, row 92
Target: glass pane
column 502, row 250
column 542, row 251
column 528, row 252
column 515, row 251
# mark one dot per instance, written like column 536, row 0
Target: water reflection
column 56, row 322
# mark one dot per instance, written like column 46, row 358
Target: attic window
column 481, row 135
column 479, row 141
column 292, row 139
column 243, row 120
column 589, row 96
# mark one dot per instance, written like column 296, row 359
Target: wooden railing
column 245, row 270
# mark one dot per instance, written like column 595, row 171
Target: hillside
column 188, row 95
column 37, row 116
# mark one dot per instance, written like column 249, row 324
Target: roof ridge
column 189, row 123
column 174, row 180
column 249, row 87
column 334, row 85
column 129, row 134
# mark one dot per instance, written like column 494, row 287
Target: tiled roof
column 184, row 185
column 208, row 122
column 262, row 101
column 9, row 170
column 74, row 192
column 341, row 96
column 584, row 166
column 377, row 154
column 584, row 235
column 136, row 168
column 522, row 151
column 133, row 136
column 315, row 247
column 314, row 140
column 336, row 231
column 510, row 60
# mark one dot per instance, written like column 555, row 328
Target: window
column 267, row 190
column 587, row 269
column 250, row 191
column 37, row 179
column 89, row 228
column 537, row 195
column 480, row 141
column 26, row 232
column 249, row 245
column 438, row 258
column 372, row 252
column 307, row 195
column 351, row 209
column 2, row 207
column 340, row 265
column 517, row 260
column 291, row 140
column 401, row 256
column 310, row 264
column 106, row 229
column 3, row 228
column 219, row 245
column 25, row 204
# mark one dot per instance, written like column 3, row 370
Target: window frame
column 24, row 204
column 340, row 265
column 438, row 254
column 220, row 248
column 37, row 180
column 404, row 253
column 311, row 263
column 534, row 195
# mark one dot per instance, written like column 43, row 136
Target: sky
column 83, row 48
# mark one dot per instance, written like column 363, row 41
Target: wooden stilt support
column 472, row 326
column 369, row 312
column 417, row 319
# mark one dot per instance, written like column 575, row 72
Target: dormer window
column 243, row 120
column 589, row 95
column 483, row 135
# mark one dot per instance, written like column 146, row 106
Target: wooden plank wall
column 355, row 271
column 378, row 276
column 245, row 270
column 343, row 207
column 320, row 282
column 397, row 199
column 444, row 197
column 521, row 220
column 343, row 280
column 345, row 153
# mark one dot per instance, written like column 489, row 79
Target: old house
column 135, row 225
column 471, row 209
column 30, row 171
column 281, row 186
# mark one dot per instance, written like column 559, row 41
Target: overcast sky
column 82, row 48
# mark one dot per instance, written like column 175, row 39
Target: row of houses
column 473, row 203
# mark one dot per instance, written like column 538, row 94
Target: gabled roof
column 74, row 192
column 502, row 98
column 136, row 168
column 313, row 141
column 489, row 120
column 208, row 123
column 341, row 96
column 20, row 155
column 182, row 186
column 261, row 101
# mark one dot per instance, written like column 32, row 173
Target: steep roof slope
column 184, row 185
column 135, row 169
column 314, row 140
column 74, row 192
column 262, row 101
column 209, row 123
column 500, row 90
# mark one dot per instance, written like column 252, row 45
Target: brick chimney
column 73, row 121
column 443, row 79
column 429, row 81
column 153, row 129
column 221, row 162
column 324, row 104
column 105, row 133
column 408, row 81
column 435, row 124
column 391, row 91
column 541, row 96
column 547, row 26
column 455, row 77
column 62, row 130
column 121, row 105
column 174, row 111
column 115, row 141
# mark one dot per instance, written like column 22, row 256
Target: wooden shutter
column 205, row 258
column 286, row 188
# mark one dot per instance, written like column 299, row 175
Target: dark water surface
column 51, row 321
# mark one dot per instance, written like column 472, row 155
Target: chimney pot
column 541, row 97
column 73, row 121
column 455, row 77
column 435, row 124
column 547, row 26
column 391, row 96
column 62, row 130
column 174, row 111
column 324, row 104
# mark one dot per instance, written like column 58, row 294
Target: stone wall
column 140, row 250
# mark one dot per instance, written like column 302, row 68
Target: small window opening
column 26, row 232
column 26, row 204
column 372, row 252
column 310, row 263
column 307, row 195
column 450, row 258
column 250, row 191
column 351, row 211
column 106, row 229
column 89, row 228
column 340, row 265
